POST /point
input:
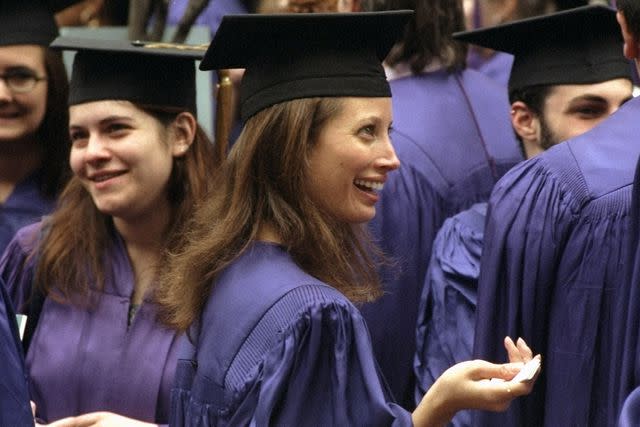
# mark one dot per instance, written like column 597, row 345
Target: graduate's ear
column 183, row 129
column 631, row 48
column 525, row 122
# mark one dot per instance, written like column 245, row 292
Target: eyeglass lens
column 21, row 80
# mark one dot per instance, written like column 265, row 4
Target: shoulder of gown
column 299, row 355
column 554, row 244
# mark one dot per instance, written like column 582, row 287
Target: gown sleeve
column 527, row 219
column 627, row 323
column 319, row 372
column 14, row 394
column 446, row 316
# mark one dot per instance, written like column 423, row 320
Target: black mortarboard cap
column 303, row 55
column 147, row 73
column 29, row 21
column 577, row 46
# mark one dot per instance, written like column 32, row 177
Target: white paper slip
column 528, row 371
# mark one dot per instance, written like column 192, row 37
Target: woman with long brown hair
column 140, row 164
column 277, row 256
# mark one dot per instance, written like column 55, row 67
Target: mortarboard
column 302, row 55
column 147, row 73
column 577, row 46
column 29, row 21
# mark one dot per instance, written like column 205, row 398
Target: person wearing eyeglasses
column 34, row 139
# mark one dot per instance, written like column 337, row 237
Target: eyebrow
column 592, row 98
column 104, row 121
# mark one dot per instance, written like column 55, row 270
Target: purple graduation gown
column 454, row 139
column 24, row 206
column 82, row 360
column 497, row 67
column 14, row 390
column 447, row 311
column 275, row 346
column 627, row 322
column 554, row 255
column 211, row 16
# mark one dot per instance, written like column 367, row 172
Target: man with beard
column 565, row 81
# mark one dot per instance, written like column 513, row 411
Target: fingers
column 512, row 350
column 524, row 349
column 518, row 351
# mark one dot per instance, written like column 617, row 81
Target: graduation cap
column 29, row 21
column 302, row 55
column 577, row 46
column 147, row 73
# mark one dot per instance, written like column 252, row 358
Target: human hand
column 476, row 384
column 99, row 419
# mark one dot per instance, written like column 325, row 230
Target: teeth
column 104, row 177
column 369, row 184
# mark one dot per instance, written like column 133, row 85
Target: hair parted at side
column 71, row 252
column 53, row 133
column 427, row 36
column 263, row 183
column 631, row 11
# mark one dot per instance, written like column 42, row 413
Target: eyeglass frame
column 31, row 75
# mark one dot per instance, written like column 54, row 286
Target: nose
column 388, row 160
column 5, row 92
column 96, row 151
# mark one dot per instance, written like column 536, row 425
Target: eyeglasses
column 21, row 81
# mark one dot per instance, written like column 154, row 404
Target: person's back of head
column 631, row 11
column 555, row 59
column 427, row 37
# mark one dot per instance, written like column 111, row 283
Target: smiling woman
column 140, row 164
column 278, row 255
column 33, row 114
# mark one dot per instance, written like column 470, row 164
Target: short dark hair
column 631, row 11
column 534, row 98
column 427, row 37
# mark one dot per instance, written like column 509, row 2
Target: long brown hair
column 263, row 183
column 53, row 133
column 70, row 255
column 427, row 37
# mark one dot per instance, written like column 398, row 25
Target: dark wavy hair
column 427, row 37
column 53, row 133
column 631, row 11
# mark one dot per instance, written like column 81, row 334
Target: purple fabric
column 630, row 415
column 446, row 316
column 276, row 346
column 554, row 256
column 24, row 206
column 497, row 67
column 211, row 16
column 85, row 360
column 14, row 391
column 627, row 322
column 454, row 139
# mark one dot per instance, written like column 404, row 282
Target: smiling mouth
column 9, row 115
column 106, row 177
column 368, row 185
